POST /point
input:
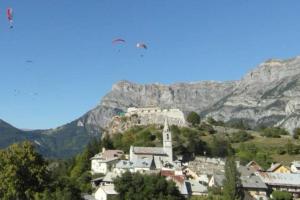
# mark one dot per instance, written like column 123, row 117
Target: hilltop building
column 156, row 115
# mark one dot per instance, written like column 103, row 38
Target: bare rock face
column 184, row 96
column 268, row 95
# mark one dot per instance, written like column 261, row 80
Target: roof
column 108, row 189
column 143, row 163
column 194, row 186
column 253, row 181
column 109, row 177
column 109, row 154
column 171, row 174
column 274, row 167
column 296, row 164
column 245, row 171
column 219, row 179
column 280, row 179
column 138, row 163
column 124, row 164
column 149, row 150
column 88, row 197
column 104, row 160
column 254, row 165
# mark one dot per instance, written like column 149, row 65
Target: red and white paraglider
column 10, row 16
column 118, row 41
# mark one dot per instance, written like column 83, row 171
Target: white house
column 104, row 192
column 295, row 167
column 104, row 161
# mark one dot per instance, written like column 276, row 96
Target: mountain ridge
column 268, row 95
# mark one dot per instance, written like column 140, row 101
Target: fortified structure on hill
column 156, row 115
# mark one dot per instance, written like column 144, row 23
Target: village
column 193, row 178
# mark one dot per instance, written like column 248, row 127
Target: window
column 167, row 136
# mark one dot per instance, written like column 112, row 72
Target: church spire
column 167, row 141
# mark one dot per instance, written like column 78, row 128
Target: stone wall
column 155, row 115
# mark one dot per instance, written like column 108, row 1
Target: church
column 160, row 155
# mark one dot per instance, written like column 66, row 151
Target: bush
column 193, row 118
column 207, row 128
column 296, row 133
column 240, row 136
column 220, row 147
column 136, row 186
column 239, row 124
column 212, row 121
column 281, row 195
column 274, row 132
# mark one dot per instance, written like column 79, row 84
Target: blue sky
column 75, row 64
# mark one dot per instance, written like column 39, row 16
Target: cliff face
column 268, row 95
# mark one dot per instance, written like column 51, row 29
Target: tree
column 193, row 118
column 135, row 186
column 296, row 133
column 23, row 172
column 281, row 195
column 232, row 182
column 220, row 147
column 290, row 148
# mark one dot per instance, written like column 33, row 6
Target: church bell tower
column 167, row 142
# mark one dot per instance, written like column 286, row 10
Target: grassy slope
column 268, row 144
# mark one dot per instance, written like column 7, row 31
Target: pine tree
column 232, row 182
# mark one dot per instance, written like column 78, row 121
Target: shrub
column 281, row 195
column 193, row 118
column 240, row 136
column 296, row 133
column 274, row 132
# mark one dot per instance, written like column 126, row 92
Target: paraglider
column 10, row 16
column 141, row 46
column 118, row 41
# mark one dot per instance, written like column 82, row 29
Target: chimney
column 237, row 163
column 103, row 149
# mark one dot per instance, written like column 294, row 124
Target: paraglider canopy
column 10, row 15
column 141, row 46
column 118, row 40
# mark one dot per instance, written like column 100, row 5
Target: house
column 278, row 168
column 139, row 165
column 252, row 184
column 105, row 192
column 206, row 165
column 100, row 166
column 161, row 155
column 103, row 162
column 254, row 165
column 295, row 167
column 179, row 180
column 282, row 181
column 216, row 180
column 195, row 188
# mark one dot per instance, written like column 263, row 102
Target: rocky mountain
column 269, row 95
